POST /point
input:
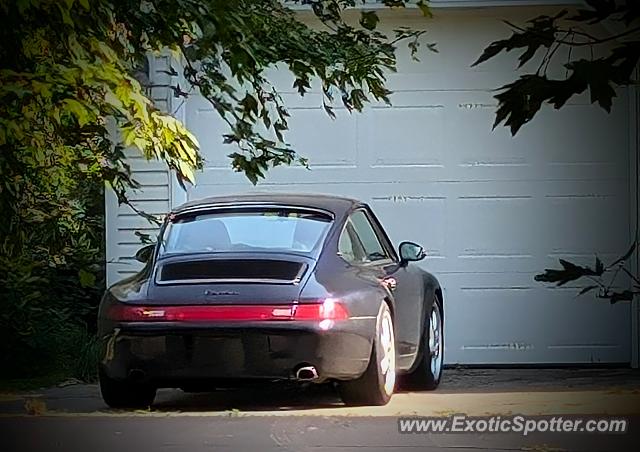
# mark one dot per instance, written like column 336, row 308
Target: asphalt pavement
column 280, row 417
column 268, row 433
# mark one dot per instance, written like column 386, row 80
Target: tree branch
column 593, row 41
column 631, row 275
column 549, row 55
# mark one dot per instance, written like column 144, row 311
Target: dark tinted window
column 371, row 244
column 349, row 249
column 256, row 229
column 359, row 242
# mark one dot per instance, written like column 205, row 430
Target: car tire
column 428, row 373
column 375, row 386
column 122, row 394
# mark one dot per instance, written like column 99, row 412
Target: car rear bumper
column 174, row 354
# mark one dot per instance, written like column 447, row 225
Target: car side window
column 348, row 247
column 345, row 246
column 363, row 229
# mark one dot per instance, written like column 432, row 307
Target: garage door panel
column 360, row 191
column 451, row 219
column 460, row 80
column 511, row 318
column 312, row 99
column 584, row 322
column 604, row 171
column 393, row 131
column 328, row 142
column 501, row 226
column 575, row 135
column 209, row 130
column 320, row 174
column 428, row 227
column 459, row 49
column 474, row 143
column 282, row 80
column 586, row 223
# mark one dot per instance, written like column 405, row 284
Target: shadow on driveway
column 83, row 398
column 259, row 397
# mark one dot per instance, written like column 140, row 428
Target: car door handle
column 390, row 283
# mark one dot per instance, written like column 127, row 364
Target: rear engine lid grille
column 231, row 270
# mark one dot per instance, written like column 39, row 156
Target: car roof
column 337, row 205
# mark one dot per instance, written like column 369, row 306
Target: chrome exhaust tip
column 307, row 373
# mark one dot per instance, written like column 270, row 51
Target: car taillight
column 329, row 310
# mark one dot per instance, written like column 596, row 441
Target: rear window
column 256, row 229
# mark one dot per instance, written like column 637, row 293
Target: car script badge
column 214, row 293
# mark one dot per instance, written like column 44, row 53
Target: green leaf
column 250, row 105
column 87, row 279
column 369, row 20
column 64, row 12
column 329, row 110
column 424, row 7
column 145, row 238
column 186, row 172
column 111, row 98
column 78, row 110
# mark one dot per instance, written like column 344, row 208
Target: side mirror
column 144, row 254
column 411, row 252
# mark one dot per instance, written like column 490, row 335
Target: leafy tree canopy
column 67, row 68
column 70, row 105
column 612, row 62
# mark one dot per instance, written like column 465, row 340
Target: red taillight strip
column 327, row 310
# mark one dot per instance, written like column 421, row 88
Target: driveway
column 463, row 390
column 277, row 417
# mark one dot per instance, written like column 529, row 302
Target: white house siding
column 153, row 196
column 491, row 210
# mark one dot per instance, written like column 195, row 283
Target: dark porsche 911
column 274, row 287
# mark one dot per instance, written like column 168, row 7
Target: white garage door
column 491, row 210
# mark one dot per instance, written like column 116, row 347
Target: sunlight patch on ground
column 420, row 404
